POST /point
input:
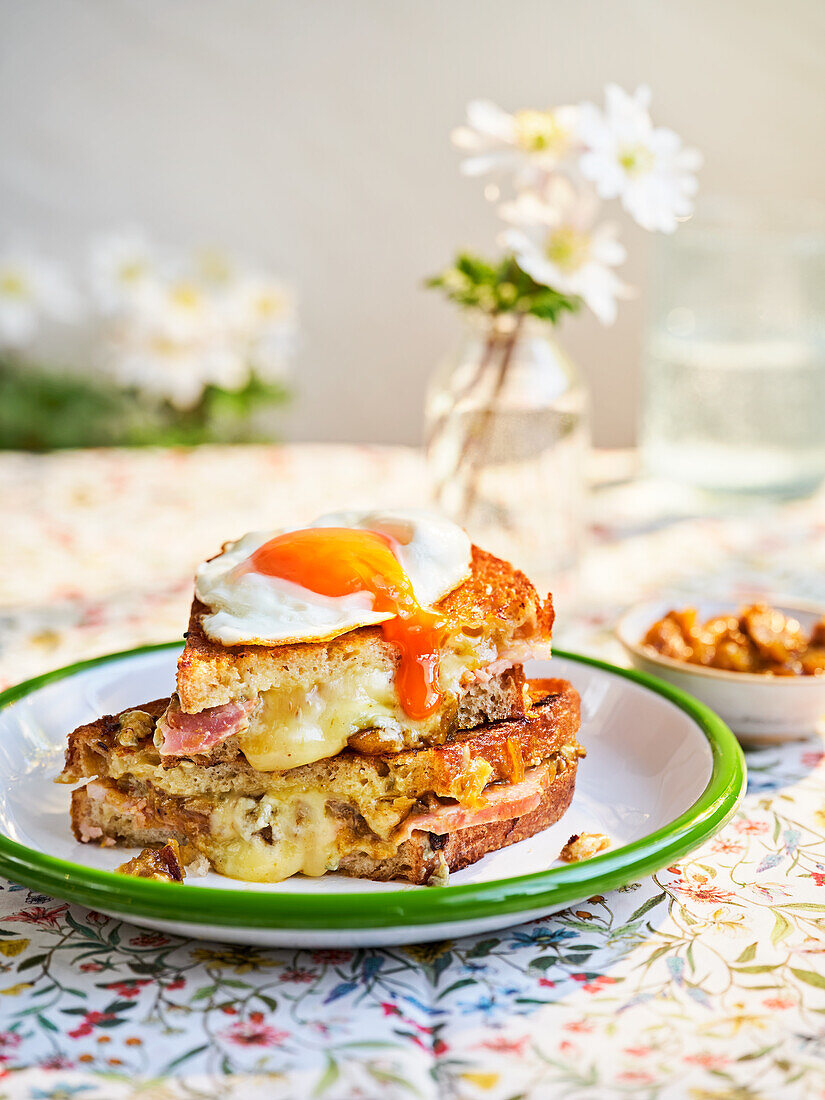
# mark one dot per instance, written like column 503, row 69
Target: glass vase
column 507, row 436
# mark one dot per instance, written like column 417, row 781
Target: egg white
column 259, row 610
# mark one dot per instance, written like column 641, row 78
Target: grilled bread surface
column 359, row 800
column 416, row 860
column 497, row 605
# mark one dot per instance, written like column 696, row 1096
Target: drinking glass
column 734, row 357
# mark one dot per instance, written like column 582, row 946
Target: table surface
column 705, row 981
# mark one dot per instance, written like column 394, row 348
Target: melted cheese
column 291, row 728
column 304, row 837
column 298, row 727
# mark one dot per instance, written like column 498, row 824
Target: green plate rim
column 541, row 890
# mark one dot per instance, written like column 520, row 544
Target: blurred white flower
column 176, row 309
column 121, row 267
column 528, row 143
column 173, row 341
column 197, row 323
column 176, row 371
column 626, row 157
column 32, row 289
column 555, row 240
column 213, row 267
column 262, row 315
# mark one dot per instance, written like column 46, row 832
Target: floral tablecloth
column 706, row 981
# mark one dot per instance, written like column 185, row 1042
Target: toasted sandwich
column 328, row 718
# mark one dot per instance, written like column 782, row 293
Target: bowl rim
column 766, row 679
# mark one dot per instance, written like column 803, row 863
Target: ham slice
column 516, row 654
column 185, row 734
column 502, row 801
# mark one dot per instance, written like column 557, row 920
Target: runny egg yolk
column 336, row 561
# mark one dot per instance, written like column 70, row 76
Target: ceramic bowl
column 759, row 709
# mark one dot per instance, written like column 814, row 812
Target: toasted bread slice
column 293, row 704
column 494, row 610
column 121, row 747
column 425, row 856
column 329, row 814
column 421, row 859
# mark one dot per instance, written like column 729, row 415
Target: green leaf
column 500, row 287
column 203, row 993
column 751, row 1055
column 657, row 954
column 810, row 977
column 543, row 963
column 145, row 968
column 456, row 985
column 185, row 1057
column 482, row 948
column 33, row 960
column 782, row 927
column 329, row 1077
column 441, row 964
column 754, row 969
column 387, row 1076
column 748, row 954
column 646, row 906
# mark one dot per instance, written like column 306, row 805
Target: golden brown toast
column 495, row 609
column 506, row 747
column 418, row 860
column 424, row 855
column 347, row 809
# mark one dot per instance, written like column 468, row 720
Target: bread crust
column 416, row 861
column 378, row 792
column 507, row 747
column 420, row 858
column 497, row 601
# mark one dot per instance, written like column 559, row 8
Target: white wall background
column 313, row 136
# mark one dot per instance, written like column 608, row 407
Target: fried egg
column 345, row 570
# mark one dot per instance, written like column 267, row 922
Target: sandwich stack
column 350, row 697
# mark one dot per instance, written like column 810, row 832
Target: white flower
column 529, row 143
column 177, row 309
column 176, row 371
column 625, row 157
column 121, row 267
column 31, row 289
column 177, row 324
column 555, row 241
column 261, row 313
column 174, row 341
column 213, row 268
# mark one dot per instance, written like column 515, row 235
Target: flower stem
column 478, row 433
column 439, row 428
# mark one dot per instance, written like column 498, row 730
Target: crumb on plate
column 167, row 863
column 583, row 846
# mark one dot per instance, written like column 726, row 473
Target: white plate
column 662, row 773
